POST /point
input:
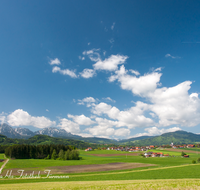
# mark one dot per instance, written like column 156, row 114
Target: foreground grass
column 2, row 156
column 172, row 172
column 177, row 184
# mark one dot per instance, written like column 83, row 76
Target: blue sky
column 112, row 69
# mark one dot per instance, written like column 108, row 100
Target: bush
column 198, row 160
column 193, row 161
column 183, row 153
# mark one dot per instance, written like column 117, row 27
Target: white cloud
column 105, row 122
column 138, row 85
column 134, row 72
column 88, row 101
column 22, row 118
column 175, row 106
column 122, row 132
column 105, row 128
column 101, row 131
column 81, row 58
column 87, row 73
column 2, row 117
column 109, row 99
column 173, row 57
column 64, row 72
column 55, row 61
column 84, row 135
column 113, row 25
column 131, row 118
column 81, row 119
column 47, row 110
column 69, row 126
column 93, row 54
column 111, row 63
column 155, row 131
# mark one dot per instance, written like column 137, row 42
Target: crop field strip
column 177, row 184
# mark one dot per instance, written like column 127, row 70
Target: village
column 147, row 148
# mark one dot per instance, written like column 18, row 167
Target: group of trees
column 41, row 152
column 64, row 155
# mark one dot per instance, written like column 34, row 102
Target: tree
column 54, row 155
column 183, row 153
column 194, row 161
column 61, row 154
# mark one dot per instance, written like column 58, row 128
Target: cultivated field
column 191, row 184
column 107, row 170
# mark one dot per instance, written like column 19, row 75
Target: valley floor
column 111, row 170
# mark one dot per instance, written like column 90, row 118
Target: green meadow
column 109, row 185
column 168, row 168
column 1, row 157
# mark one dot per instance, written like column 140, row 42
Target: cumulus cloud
column 134, row 72
column 105, row 128
column 22, row 118
column 131, row 118
column 138, row 85
column 111, row 63
column 87, row 73
column 152, row 131
column 64, row 72
column 123, row 132
column 175, row 105
column 55, row 61
column 69, row 126
column 81, row 119
column 2, row 118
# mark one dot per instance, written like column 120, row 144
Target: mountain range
column 178, row 137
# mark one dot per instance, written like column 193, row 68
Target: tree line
column 42, row 152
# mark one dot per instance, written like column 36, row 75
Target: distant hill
column 44, row 139
column 127, row 141
column 178, row 137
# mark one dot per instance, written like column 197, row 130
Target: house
column 190, row 146
column 159, row 154
column 151, row 146
column 88, row 149
column 148, row 154
column 186, row 156
column 154, row 154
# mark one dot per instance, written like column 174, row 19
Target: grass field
column 109, row 185
column 1, row 157
column 174, row 167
